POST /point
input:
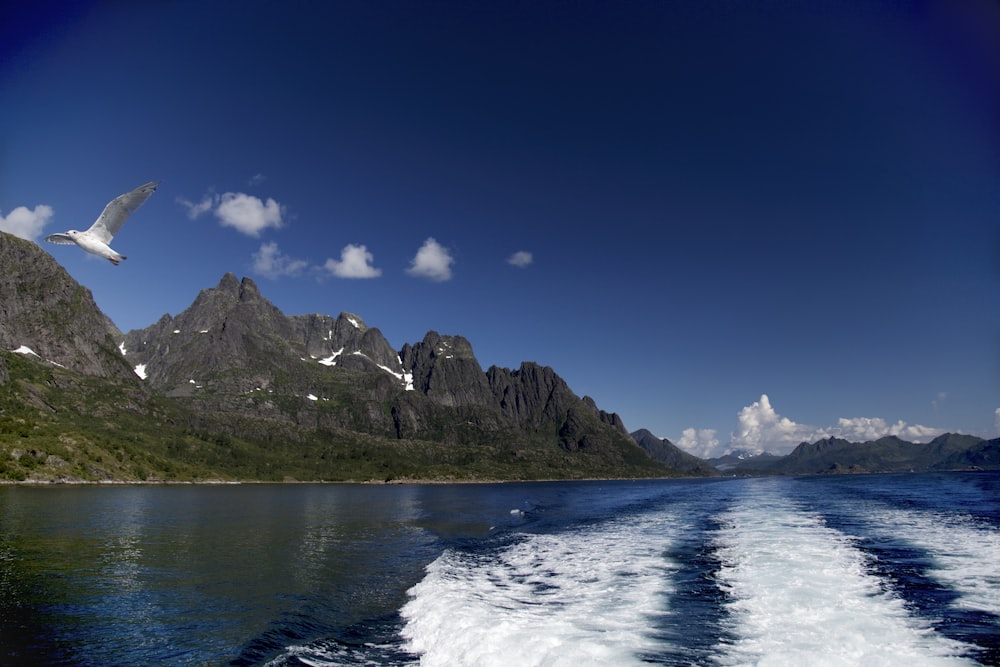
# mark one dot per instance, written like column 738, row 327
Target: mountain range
column 232, row 388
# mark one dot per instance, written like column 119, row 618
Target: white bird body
column 96, row 240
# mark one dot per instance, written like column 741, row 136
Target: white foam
column 576, row 599
column 965, row 556
column 801, row 594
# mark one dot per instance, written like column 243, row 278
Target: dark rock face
column 234, row 339
column 43, row 308
column 530, row 395
column 446, row 371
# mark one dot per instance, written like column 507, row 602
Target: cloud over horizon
column 760, row 428
column 700, row 442
column 245, row 213
column 26, row 223
column 432, row 261
column 355, row 262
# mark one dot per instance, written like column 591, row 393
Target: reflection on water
column 90, row 575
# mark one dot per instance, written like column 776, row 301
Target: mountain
column 950, row 451
column 47, row 314
column 232, row 388
column 245, row 369
column 671, row 455
column 742, row 459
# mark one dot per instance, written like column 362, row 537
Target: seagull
column 96, row 239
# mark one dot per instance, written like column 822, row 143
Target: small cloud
column 520, row 259
column 996, row 421
column 271, row 263
column 355, row 262
column 26, row 223
column 245, row 213
column 433, row 261
column 195, row 210
column 256, row 180
column 700, row 442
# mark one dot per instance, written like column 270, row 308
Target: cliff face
column 44, row 310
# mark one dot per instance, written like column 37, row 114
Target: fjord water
column 852, row 570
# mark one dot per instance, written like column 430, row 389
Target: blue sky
column 733, row 223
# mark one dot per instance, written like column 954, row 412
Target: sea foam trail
column 800, row 593
column 965, row 554
column 581, row 598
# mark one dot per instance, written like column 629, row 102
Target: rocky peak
column 233, row 326
column 445, row 369
column 44, row 309
column 531, row 394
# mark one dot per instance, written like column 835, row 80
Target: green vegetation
column 60, row 426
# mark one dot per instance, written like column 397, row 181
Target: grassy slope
column 56, row 425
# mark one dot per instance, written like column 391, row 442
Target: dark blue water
column 846, row 570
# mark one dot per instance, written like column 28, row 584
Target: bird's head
column 73, row 232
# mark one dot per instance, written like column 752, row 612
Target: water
column 854, row 570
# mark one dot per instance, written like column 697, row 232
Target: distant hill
column 950, row 451
column 743, row 460
column 671, row 455
column 233, row 388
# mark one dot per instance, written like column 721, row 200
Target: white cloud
column 861, row 429
column 256, row 179
column 762, row 428
column 194, row 210
column 433, row 261
column 26, row 223
column 700, row 442
column 355, row 262
column 996, row 420
column 271, row 263
column 246, row 213
column 520, row 259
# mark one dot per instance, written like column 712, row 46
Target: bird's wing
column 61, row 239
column 118, row 210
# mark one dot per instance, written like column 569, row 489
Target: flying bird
column 96, row 240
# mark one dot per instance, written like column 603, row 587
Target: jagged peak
column 249, row 290
column 353, row 320
column 229, row 283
